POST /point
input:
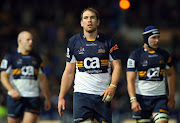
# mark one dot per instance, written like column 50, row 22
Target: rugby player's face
column 89, row 21
column 27, row 42
column 154, row 42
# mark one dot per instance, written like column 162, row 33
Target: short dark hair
column 92, row 10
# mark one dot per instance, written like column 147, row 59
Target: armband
column 132, row 99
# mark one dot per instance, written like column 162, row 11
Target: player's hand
column 108, row 92
column 61, row 106
column 15, row 94
column 171, row 102
column 135, row 106
column 47, row 105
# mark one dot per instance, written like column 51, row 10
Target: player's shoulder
column 11, row 53
column 35, row 54
column 76, row 37
column 162, row 51
column 138, row 51
column 103, row 37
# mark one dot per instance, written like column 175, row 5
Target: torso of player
column 150, row 67
column 24, row 70
column 93, row 73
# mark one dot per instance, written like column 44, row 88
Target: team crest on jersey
column 81, row 50
column 144, row 63
column 101, row 49
column 19, row 61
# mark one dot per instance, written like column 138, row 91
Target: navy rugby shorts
column 149, row 105
column 16, row 108
column 87, row 106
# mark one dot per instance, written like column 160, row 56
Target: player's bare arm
column 66, row 82
column 44, row 86
column 171, row 84
column 131, row 77
column 116, row 74
column 6, row 83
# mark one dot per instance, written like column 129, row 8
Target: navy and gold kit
column 23, row 70
column 92, row 58
column 93, row 75
column 150, row 67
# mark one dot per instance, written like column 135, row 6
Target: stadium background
column 53, row 22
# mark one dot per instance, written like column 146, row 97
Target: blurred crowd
column 53, row 22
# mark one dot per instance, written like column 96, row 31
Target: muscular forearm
column 66, row 82
column 5, row 81
column 131, row 89
column 116, row 74
column 131, row 77
column 171, row 83
column 171, row 78
column 44, row 86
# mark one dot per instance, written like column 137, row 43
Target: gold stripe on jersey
column 16, row 71
column 104, row 62
column 80, row 64
column 142, row 73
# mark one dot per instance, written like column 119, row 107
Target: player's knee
column 160, row 116
column 143, row 121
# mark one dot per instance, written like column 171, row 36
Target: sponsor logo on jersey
column 91, row 62
column 153, row 55
column 130, row 63
column 91, row 45
column 169, row 60
column 152, row 73
column 4, row 64
column 114, row 48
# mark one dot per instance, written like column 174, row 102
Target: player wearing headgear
column 146, row 68
column 90, row 58
column 21, row 74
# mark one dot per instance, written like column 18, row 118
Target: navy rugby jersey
column 150, row 67
column 92, row 60
column 23, row 70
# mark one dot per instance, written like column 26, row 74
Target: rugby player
column 93, row 63
column 146, row 69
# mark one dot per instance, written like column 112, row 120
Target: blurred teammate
column 90, row 55
column 146, row 68
column 21, row 71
